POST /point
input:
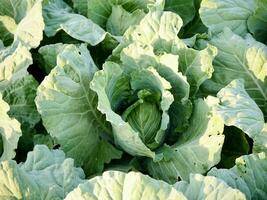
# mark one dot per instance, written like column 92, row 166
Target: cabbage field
column 133, row 99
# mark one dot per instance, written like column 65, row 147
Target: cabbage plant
column 152, row 99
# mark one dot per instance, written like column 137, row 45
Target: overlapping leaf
column 248, row 175
column 10, row 132
column 45, row 175
column 241, row 17
column 240, row 58
column 22, row 21
column 115, row 185
column 68, row 109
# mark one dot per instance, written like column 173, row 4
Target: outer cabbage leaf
column 7, row 28
column 240, row 17
column 120, row 20
column 19, row 89
column 196, row 26
column 20, row 96
column 217, row 14
column 240, row 58
column 185, row 9
column 101, row 10
column 196, row 65
column 115, row 185
column 155, row 28
column 59, row 16
column 207, row 187
column 113, row 86
column 257, row 23
column 14, row 61
column 49, row 55
column 81, row 130
column 249, row 175
column 15, row 9
column 30, row 29
column 196, row 150
column 260, row 141
column 10, row 132
column 22, row 20
column 238, row 109
column 45, row 175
